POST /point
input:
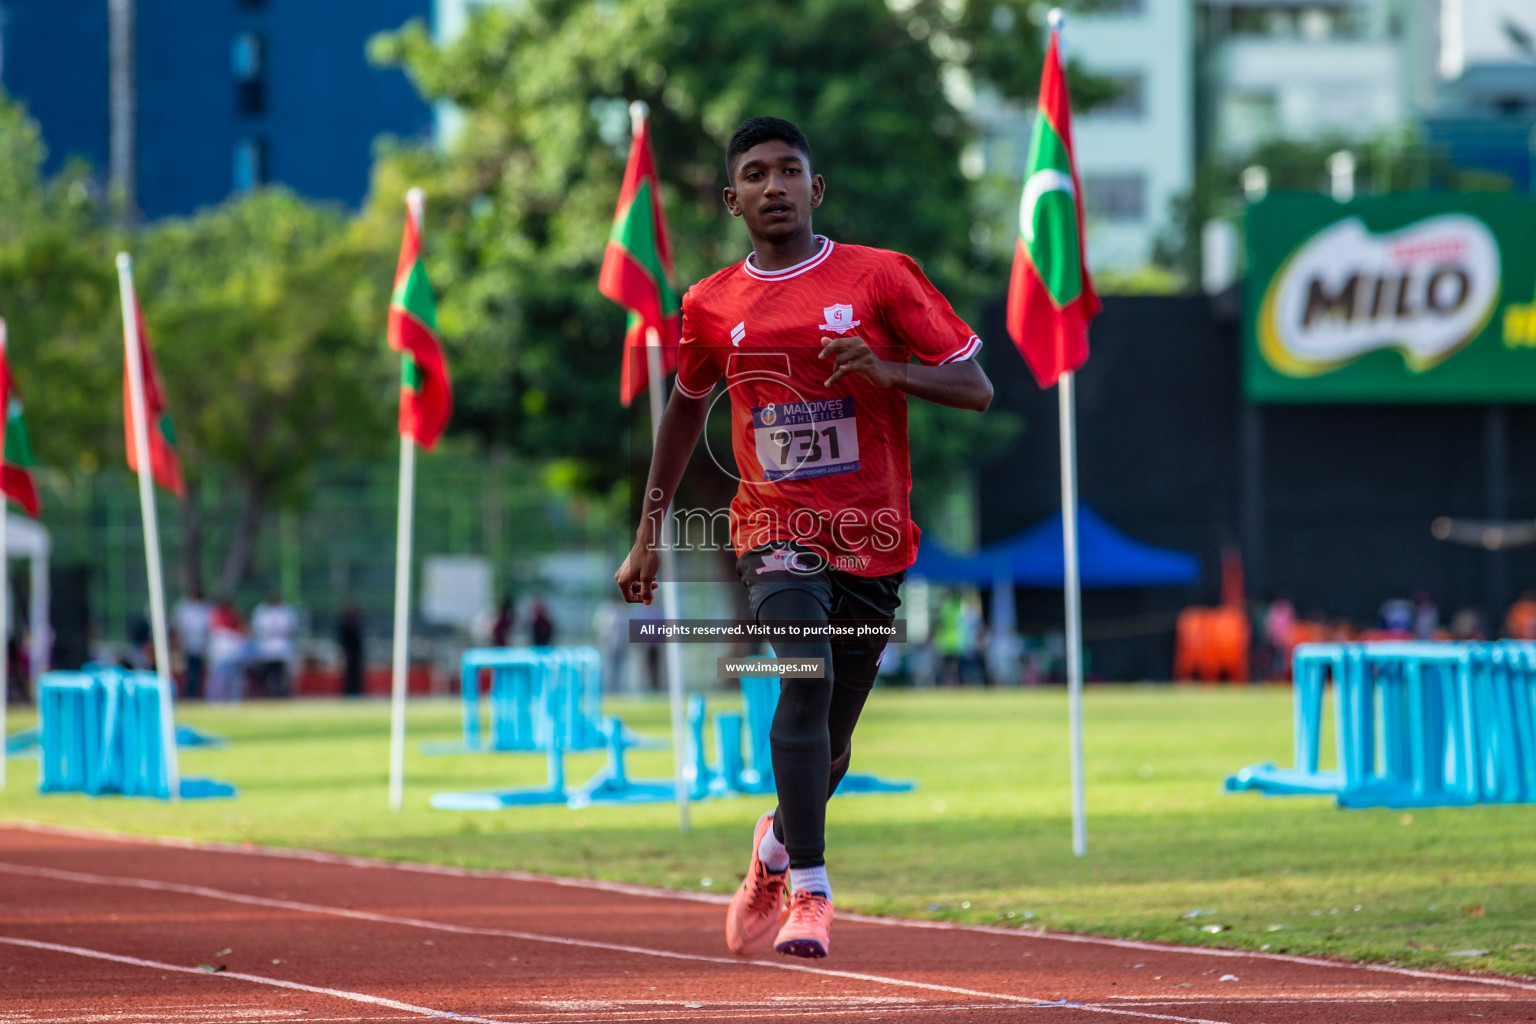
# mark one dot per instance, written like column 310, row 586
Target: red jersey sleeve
column 697, row 369
column 924, row 319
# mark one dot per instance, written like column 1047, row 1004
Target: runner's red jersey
column 827, row 467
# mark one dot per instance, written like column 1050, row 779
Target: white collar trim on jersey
column 794, row 271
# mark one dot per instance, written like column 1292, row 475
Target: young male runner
column 815, row 341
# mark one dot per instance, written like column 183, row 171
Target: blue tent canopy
column 1107, row 558
column 936, row 564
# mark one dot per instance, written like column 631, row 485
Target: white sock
column 810, row 880
column 772, row 853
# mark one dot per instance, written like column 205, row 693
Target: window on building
column 1288, row 21
column 248, row 66
column 1115, row 197
column 250, row 163
column 1129, row 98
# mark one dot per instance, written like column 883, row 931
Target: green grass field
column 985, row 838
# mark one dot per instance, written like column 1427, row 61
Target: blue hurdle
column 521, row 680
column 26, row 742
column 733, row 774
column 110, row 732
column 547, row 699
column 1415, row 725
column 552, row 792
column 612, row 785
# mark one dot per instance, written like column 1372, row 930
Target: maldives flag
column 1050, row 296
column 15, row 475
column 164, row 463
column 637, row 267
column 426, row 393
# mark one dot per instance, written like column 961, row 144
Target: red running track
column 103, row 928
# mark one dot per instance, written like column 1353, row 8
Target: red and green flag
column 164, row 462
column 16, row 469
column 426, row 392
column 637, row 267
column 1050, row 295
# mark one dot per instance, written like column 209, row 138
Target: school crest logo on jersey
column 839, row 318
column 770, row 415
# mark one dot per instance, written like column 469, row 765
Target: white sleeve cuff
column 687, row 393
column 969, row 349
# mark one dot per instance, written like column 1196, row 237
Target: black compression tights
column 812, row 729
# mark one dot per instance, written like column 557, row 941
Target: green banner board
column 1397, row 298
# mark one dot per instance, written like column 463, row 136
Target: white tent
column 27, row 538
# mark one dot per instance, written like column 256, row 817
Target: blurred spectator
column 16, row 688
column 1397, row 616
column 610, row 625
column 274, row 628
column 922, row 664
column 541, row 628
column 16, row 676
column 349, row 636
column 652, row 613
column 226, row 653
column 1520, row 622
column 1280, row 634
column 141, row 644
column 948, row 638
column 1004, row 667
column 1426, row 616
column 191, row 620
column 501, row 629
column 1467, row 624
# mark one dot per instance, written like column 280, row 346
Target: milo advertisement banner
column 1396, row 298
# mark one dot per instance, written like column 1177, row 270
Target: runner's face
column 774, row 191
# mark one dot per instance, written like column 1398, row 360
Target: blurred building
column 223, row 94
column 1302, row 70
column 1135, row 153
column 1485, row 120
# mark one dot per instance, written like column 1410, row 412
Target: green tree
column 525, row 194
column 269, row 332
column 58, row 294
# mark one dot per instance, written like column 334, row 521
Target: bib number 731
column 801, row 440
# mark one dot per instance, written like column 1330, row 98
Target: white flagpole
column 1066, row 392
column 134, row 347
column 415, row 209
column 669, row 597
column 639, row 110
column 5, row 588
column 1067, row 395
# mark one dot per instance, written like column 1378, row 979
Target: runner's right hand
column 637, row 576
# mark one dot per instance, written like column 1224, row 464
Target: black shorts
column 784, row 565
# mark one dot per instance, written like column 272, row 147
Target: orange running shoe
column 807, row 930
column 757, row 909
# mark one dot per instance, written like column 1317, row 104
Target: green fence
column 336, row 547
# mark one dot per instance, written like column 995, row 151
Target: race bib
column 801, row 440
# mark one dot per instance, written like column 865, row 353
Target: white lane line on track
column 343, row 860
column 337, row 993
column 558, row 940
